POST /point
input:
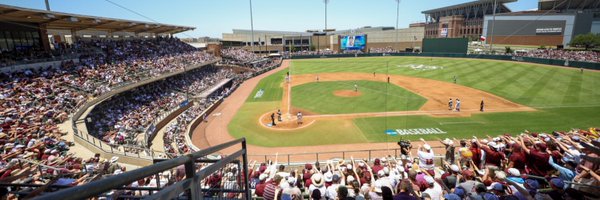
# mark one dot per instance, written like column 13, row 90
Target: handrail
column 103, row 185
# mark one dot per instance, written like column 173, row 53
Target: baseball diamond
column 518, row 96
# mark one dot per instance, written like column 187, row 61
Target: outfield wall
column 574, row 64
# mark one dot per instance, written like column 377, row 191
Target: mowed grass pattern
column 524, row 83
column 375, row 97
column 565, row 99
column 271, row 86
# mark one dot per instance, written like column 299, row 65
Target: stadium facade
column 461, row 20
column 275, row 41
column 555, row 23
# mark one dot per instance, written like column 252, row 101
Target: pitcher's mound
column 346, row 93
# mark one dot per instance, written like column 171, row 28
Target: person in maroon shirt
column 476, row 153
column 517, row 158
column 537, row 159
column 492, row 155
column 271, row 188
column 260, row 187
column 376, row 166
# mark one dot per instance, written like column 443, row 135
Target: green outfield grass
column 319, row 97
column 565, row 98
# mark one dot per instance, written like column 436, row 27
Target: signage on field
column 421, row 67
column 391, row 132
column 419, row 131
column 259, row 93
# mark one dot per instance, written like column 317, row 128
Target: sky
column 214, row 17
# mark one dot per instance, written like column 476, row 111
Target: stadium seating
column 34, row 102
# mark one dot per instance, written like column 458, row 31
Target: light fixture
column 48, row 16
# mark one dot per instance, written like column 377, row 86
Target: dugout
column 445, row 45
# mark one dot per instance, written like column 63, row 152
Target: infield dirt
column 215, row 131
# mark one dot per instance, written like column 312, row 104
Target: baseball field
column 384, row 99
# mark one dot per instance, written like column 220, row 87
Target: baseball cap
column 459, row 191
column 452, row 197
column 496, row 186
column 533, row 184
column 489, row 196
column 429, row 179
column 514, row 172
column 454, row 168
column 427, row 147
column 557, row 182
column 467, row 173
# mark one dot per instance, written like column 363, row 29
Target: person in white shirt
column 434, row 190
column 426, row 158
column 332, row 189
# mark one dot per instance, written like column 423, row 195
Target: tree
column 508, row 50
column 587, row 40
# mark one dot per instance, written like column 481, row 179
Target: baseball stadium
column 485, row 99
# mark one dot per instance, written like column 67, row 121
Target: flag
column 482, row 38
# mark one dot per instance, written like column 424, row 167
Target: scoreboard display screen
column 353, row 42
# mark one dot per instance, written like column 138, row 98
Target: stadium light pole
column 397, row 20
column 493, row 24
column 326, row 2
column 251, row 27
column 47, row 5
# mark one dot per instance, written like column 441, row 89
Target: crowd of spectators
column 557, row 165
column 239, row 55
column 174, row 137
column 586, row 56
column 34, row 101
column 121, row 119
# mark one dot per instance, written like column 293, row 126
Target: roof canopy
column 568, row 5
column 467, row 4
column 67, row 21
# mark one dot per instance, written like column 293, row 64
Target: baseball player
column 299, row 116
column 273, row 119
column 481, row 106
column 355, row 87
column 279, row 115
column 450, row 104
column 457, row 105
column 317, row 78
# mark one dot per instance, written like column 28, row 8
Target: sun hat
column 317, row 180
column 328, row 177
column 377, row 187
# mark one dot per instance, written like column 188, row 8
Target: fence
column 575, row 64
column 93, row 143
column 301, row 158
column 188, row 188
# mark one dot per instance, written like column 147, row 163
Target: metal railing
column 190, row 186
column 296, row 158
column 103, row 146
